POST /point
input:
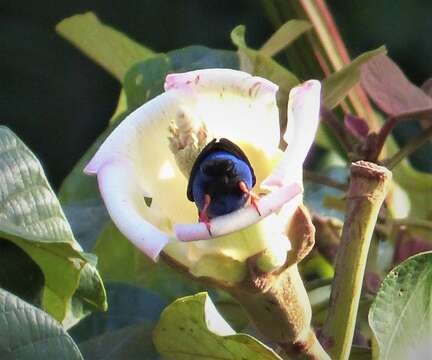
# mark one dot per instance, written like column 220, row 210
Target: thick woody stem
column 279, row 308
column 367, row 190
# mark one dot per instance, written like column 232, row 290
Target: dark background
column 58, row 101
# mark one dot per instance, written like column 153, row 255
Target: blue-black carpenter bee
column 221, row 180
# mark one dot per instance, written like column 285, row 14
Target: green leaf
column 31, row 217
column 145, row 80
column 131, row 342
column 401, row 315
column 201, row 57
column 111, row 49
column 29, row 333
column 284, row 36
column 337, row 85
column 191, row 328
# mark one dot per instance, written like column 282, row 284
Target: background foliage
column 50, row 85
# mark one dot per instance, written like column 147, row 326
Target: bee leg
column 203, row 215
column 252, row 196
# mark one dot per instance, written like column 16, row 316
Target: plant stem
column 409, row 148
column 324, row 180
column 277, row 303
column 337, row 129
column 418, row 223
column 367, row 190
column 279, row 308
column 328, row 234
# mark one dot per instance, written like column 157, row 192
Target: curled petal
column 210, row 79
column 242, row 218
column 121, row 197
column 303, row 119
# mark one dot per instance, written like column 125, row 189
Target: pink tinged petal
column 210, row 79
column 240, row 219
column 125, row 204
column 303, row 119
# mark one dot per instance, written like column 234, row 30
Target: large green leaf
column 337, row 85
column 31, row 217
column 401, row 315
column 191, row 328
column 111, row 49
column 29, row 333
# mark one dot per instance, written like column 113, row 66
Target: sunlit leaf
column 401, row 315
column 191, row 328
column 31, row 217
column 111, row 49
column 390, row 89
column 337, row 85
column 29, row 333
column 284, row 36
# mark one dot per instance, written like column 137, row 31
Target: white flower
column 150, row 154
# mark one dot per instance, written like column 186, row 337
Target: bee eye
column 218, row 167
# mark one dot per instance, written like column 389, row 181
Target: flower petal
column 121, row 196
column 303, row 119
column 240, row 219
